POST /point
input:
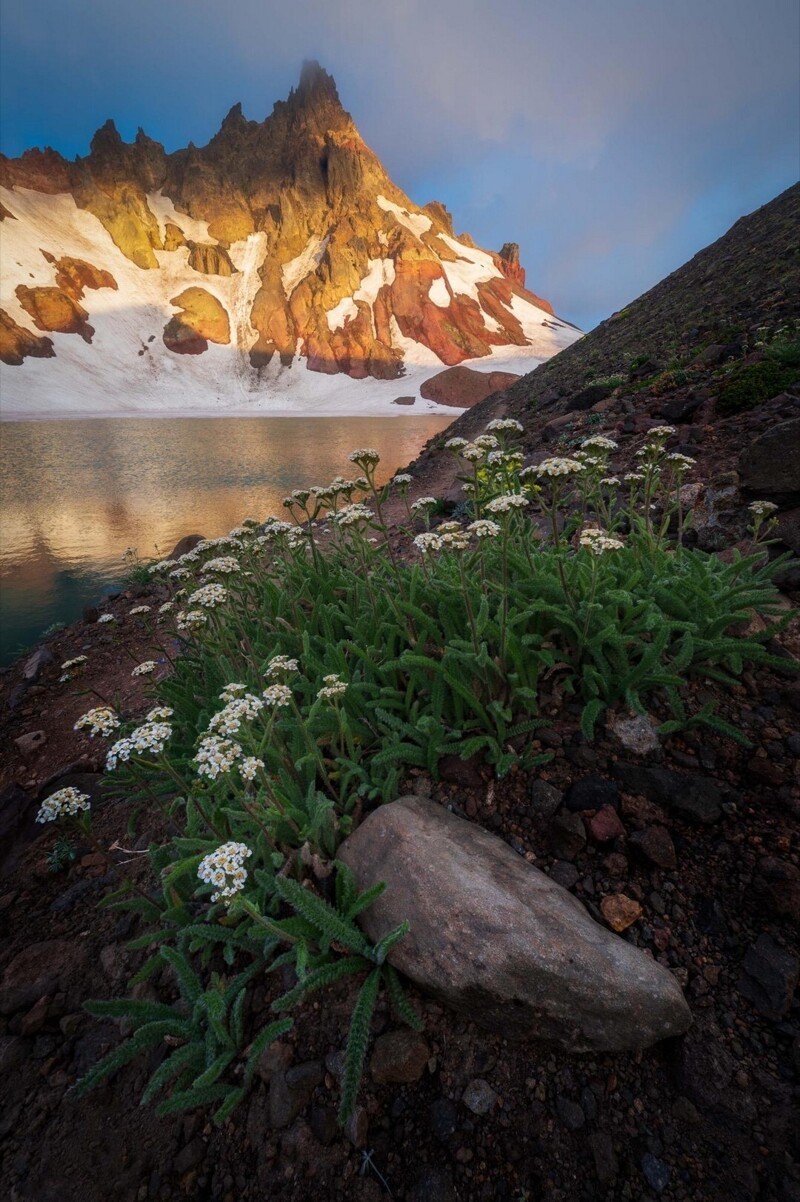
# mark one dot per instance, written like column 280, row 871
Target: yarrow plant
column 330, row 663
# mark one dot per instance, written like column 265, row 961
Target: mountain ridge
column 347, row 274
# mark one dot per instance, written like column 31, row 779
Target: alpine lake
column 76, row 494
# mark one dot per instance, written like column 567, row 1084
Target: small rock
column 683, row 1111
column 185, row 544
column 39, row 970
column 769, row 977
column 479, row 1097
column 564, row 874
column 90, row 614
column 544, row 798
column 357, row 1127
column 33, row 666
column 605, row 1161
column 691, row 796
column 443, row 1118
column 570, row 1114
column 30, row 744
column 656, row 1173
column 290, row 1092
column 567, row 835
column 591, row 793
column 274, row 1059
column 190, row 1156
column 433, row 1183
column 620, row 911
column 605, row 825
column 635, row 733
column 399, row 1057
column 13, row 1052
column 32, row 1022
column 655, row 844
column 324, row 1124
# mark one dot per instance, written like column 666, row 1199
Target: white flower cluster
column 104, row 619
column 191, row 619
column 160, row 714
column 152, row 736
column 426, row 543
column 166, row 607
column 353, row 515
column 139, row 609
column 277, row 695
column 179, row 573
column 232, row 690
column 486, row 442
column 364, row 455
column 250, row 766
column 661, row 432
column 761, row 509
column 557, row 465
column 225, row 564
column 600, row 442
column 99, row 721
column 279, row 664
column 224, row 869
column 681, row 462
column 483, row 528
column 63, row 803
column 507, row 502
column 610, row 481
column 144, row 669
column 599, row 541
column 209, row 596
column 403, row 479
column 506, row 423
column 215, row 755
column 239, row 709
column 75, row 662
column 333, row 686
column 423, row 504
column 473, row 453
column 455, row 444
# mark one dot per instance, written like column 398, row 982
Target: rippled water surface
column 76, row 494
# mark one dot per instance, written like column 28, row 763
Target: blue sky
column 611, row 138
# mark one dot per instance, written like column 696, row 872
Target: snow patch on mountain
column 417, row 223
column 309, row 259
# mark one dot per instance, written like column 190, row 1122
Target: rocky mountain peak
column 316, row 86
column 510, row 264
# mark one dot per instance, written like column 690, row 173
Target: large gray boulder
column 497, row 939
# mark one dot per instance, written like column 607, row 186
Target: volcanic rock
column 496, row 938
column 771, row 464
column 462, row 387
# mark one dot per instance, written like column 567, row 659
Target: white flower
column 599, row 541
column 160, row 713
column 144, row 669
column 759, row 508
column 483, row 528
column 486, row 442
column 278, row 664
column 105, row 618
column 661, row 432
column 224, row 564
column 353, row 515
column 423, row 504
column 229, row 719
column 333, row 687
column 231, row 690
column 166, row 607
column 472, row 453
column 139, row 609
column 277, row 695
column 194, row 617
column 426, row 543
column 179, row 573
column 600, row 442
column 681, row 461
column 557, row 466
column 151, row 736
column 455, row 444
column 215, row 755
column 75, row 662
column 403, row 479
column 224, row 869
column 250, row 766
column 64, row 802
column 610, row 481
column 506, row 423
column 508, row 502
column 364, row 456
column 633, row 477
column 100, row 721
column 209, row 596
column 455, row 541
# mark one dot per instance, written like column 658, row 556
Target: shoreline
column 403, row 411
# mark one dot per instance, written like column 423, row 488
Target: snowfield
column 128, row 371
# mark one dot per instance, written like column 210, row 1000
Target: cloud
column 602, row 137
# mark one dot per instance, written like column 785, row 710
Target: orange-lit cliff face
column 290, row 235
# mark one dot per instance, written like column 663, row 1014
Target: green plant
column 319, row 665
column 136, row 571
column 61, row 855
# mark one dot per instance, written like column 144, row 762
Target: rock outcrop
column 329, row 260
column 495, row 938
column 202, row 319
column 16, row 342
column 462, row 387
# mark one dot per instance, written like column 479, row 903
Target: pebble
column 656, row 1173
column 479, row 1097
